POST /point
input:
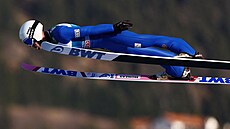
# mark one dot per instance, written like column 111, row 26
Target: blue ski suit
column 103, row 36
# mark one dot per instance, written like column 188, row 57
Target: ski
column 132, row 58
column 122, row 77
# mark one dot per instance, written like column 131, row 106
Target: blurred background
column 35, row 101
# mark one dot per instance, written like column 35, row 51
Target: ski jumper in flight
column 114, row 37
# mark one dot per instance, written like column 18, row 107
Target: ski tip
column 28, row 67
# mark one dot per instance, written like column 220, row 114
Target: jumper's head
column 31, row 31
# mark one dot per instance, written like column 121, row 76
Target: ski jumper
column 103, row 36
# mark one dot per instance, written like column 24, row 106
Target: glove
column 122, row 25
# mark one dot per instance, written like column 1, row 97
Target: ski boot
column 185, row 55
column 164, row 76
column 160, row 76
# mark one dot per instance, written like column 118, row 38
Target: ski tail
column 122, row 77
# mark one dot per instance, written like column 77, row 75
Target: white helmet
column 31, row 31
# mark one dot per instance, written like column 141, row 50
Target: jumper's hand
column 122, row 25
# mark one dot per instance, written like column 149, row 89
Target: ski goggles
column 29, row 41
